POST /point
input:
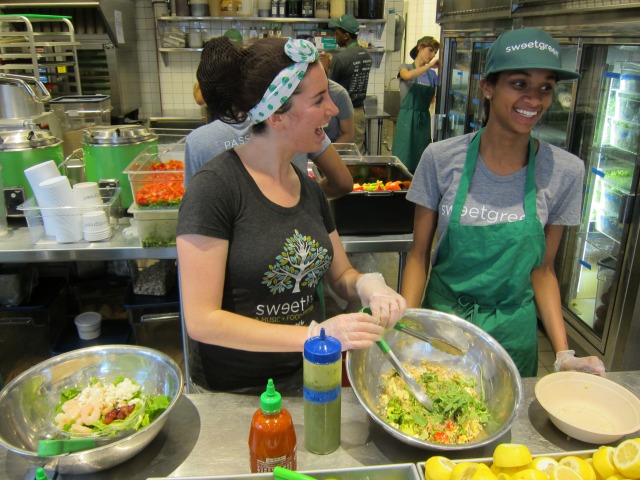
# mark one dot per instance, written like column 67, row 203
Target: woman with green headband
column 255, row 235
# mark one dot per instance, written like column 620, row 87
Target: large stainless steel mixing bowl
column 27, row 402
column 485, row 360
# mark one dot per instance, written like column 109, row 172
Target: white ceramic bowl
column 588, row 407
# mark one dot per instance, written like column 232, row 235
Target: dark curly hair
column 233, row 79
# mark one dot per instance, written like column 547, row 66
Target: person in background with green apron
column 498, row 201
column 418, row 82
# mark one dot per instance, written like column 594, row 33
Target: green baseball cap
column 348, row 23
column 526, row 48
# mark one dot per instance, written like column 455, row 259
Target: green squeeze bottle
column 322, row 373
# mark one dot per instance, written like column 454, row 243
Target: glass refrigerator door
column 478, row 60
column 608, row 120
column 457, row 95
column 553, row 127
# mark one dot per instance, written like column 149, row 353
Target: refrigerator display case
column 599, row 284
column 461, row 108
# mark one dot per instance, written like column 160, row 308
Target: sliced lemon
column 603, row 461
column 506, row 470
column 438, row 468
column 580, row 466
column 483, row 473
column 511, row 455
column 464, row 470
column 562, row 472
column 626, row 458
column 617, row 476
column 503, row 476
column 544, row 464
column 590, row 462
column 529, row 474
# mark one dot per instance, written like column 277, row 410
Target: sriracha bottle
column 272, row 438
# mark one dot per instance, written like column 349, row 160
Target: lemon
column 438, row 468
column 503, row 476
column 529, row 474
column 506, row 470
column 544, row 464
column 562, row 472
column 590, row 462
column 617, row 476
column 483, row 473
column 511, row 455
column 626, row 458
column 464, row 470
column 603, row 462
column 580, row 466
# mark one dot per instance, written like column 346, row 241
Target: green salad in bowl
column 107, row 408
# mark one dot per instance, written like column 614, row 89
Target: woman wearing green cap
column 498, row 201
column 418, row 82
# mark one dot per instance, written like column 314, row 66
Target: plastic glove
column 567, row 360
column 354, row 330
column 386, row 305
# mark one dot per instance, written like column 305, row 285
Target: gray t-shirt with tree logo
column 277, row 257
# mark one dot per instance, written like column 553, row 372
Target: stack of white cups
column 35, row 175
column 69, row 214
column 59, row 203
column 95, row 224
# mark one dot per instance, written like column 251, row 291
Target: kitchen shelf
column 262, row 19
column 50, row 56
column 187, row 49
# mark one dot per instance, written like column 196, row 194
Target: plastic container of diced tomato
column 156, row 176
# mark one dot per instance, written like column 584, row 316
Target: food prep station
column 206, row 437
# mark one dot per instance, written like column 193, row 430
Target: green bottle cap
column 41, row 474
column 270, row 400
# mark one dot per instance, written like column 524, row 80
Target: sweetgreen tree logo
column 303, row 262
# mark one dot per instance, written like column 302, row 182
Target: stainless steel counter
column 207, row 434
column 17, row 247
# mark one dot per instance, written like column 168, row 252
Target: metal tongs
column 438, row 343
column 412, row 385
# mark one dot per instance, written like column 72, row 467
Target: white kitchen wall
column 167, row 78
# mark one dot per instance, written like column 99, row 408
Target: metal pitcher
column 22, row 96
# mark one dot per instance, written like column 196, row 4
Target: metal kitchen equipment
column 109, row 150
column 46, row 53
column 82, row 111
column 497, row 377
column 393, row 212
column 22, row 96
column 19, row 150
column 40, row 388
column 105, row 32
column 413, row 386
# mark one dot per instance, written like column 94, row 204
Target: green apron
column 483, row 273
column 413, row 126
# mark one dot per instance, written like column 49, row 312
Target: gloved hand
column 567, row 360
column 386, row 305
column 354, row 330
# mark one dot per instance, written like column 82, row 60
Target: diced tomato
column 393, row 185
column 160, row 194
column 442, row 437
column 357, row 187
column 169, row 165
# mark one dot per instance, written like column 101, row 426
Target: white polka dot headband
column 303, row 53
